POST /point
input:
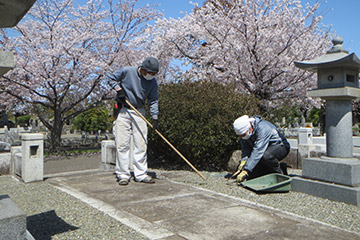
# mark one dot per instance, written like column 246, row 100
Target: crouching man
column 262, row 145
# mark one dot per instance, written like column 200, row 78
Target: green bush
column 292, row 114
column 316, row 116
column 93, row 120
column 23, row 120
column 197, row 118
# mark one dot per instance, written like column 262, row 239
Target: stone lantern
column 338, row 85
column 11, row 12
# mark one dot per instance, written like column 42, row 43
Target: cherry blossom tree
column 251, row 44
column 62, row 51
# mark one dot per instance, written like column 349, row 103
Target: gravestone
column 302, row 121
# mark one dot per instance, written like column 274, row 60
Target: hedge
column 197, row 118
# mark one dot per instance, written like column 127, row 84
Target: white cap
column 242, row 125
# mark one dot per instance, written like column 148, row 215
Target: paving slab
column 169, row 210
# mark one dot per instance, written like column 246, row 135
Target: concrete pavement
column 173, row 211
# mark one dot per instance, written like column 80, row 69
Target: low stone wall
column 5, row 161
column 108, row 155
column 294, row 132
column 12, row 137
column 80, row 143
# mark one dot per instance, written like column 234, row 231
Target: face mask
column 246, row 137
column 148, row 76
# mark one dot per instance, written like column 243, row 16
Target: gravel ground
column 339, row 214
column 53, row 214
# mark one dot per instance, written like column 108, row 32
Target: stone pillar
column 6, row 62
column 305, row 136
column 108, row 154
column 15, row 164
column 339, row 141
column 32, row 162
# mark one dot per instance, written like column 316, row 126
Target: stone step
column 332, row 191
column 12, row 219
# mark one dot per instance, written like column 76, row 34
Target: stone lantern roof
column 12, row 11
column 337, row 56
column 337, row 71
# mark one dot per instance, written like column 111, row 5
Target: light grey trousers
column 128, row 122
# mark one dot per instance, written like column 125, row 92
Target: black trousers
column 269, row 163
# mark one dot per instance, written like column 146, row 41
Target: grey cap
column 150, row 64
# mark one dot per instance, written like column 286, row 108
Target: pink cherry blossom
column 251, row 44
column 62, row 52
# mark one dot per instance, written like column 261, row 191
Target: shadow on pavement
column 45, row 225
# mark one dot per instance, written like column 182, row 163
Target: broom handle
column 133, row 108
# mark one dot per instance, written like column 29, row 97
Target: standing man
column 136, row 84
column 262, row 146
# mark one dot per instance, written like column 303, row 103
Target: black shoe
column 148, row 179
column 283, row 167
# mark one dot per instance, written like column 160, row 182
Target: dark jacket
column 265, row 134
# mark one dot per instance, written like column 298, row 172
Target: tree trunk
column 55, row 133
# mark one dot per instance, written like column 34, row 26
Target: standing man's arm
column 114, row 79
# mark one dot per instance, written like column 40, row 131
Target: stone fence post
column 32, row 157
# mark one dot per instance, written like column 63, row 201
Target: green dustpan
column 270, row 183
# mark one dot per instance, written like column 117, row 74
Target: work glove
column 242, row 176
column 242, row 163
column 239, row 167
column 120, row 97
column 155, row 124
